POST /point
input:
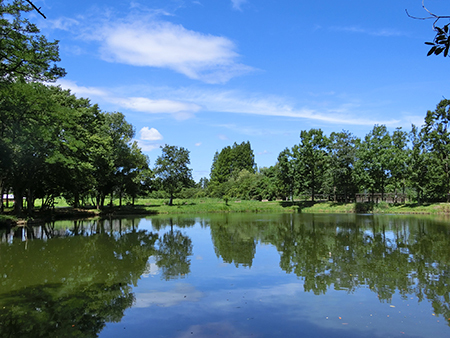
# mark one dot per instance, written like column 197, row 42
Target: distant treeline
column 412, row 164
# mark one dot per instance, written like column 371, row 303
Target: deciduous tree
column 172, row 168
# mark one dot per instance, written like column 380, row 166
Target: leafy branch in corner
column 441, row 42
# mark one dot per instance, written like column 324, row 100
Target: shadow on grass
column 411, row 205
column 299, row 204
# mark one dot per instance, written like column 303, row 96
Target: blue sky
column 207, row 73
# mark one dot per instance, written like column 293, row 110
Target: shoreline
column 147, row 207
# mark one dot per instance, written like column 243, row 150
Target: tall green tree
column 342, row 150
column 172, row 169
column 312, row 160
column 231, row 160
column 436, row 132
column 286, row 173
column 228, row 164
column 27, row 130
column 420, row 165
column 373, row 161
column 399, row 160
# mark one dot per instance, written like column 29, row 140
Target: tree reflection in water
column 80, row 276
column 387, row 254
column 70, row 286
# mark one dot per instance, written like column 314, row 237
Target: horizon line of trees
column 413, row 164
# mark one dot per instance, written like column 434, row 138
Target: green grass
column 213, row 205
column 147, row 206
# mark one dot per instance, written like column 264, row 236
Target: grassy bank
column 147, row 206
column 210, row 205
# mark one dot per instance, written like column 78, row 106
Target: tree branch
column 37, row 9
column 432, row 15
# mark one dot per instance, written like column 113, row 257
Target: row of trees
column 340, row 165
column 54, row 144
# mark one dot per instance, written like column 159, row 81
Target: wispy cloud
column 62, row 23
column 179, row 109
column 82, row 91
column 146, row 105
column 184, row 103
column 146, row 39
column 222, row 137
column 234, row 102
column 386, row 32
column 237, row 4
column 147, row 146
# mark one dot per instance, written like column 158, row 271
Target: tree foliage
column 228, row 164
column 173, row 171
column 24, row 53
column 55, row 144
column 436, row 132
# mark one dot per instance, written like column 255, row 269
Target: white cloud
column 180, row 110
column 81, row 91
column 234, row 102
column 146, row 146
column 63, row 23
column 237, row 4
column 198, row 144
column 386, row 32
column 150, row 134
column 146, row 105
column 183, row 103
column 144, row 41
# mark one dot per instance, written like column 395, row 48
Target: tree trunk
column 76, row 198
column 30, row 202
column 18, row 201
column 1, row 201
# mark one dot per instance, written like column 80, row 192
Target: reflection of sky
column 218, row 299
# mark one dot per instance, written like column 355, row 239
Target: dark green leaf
column 431, row 51
column 439, row 50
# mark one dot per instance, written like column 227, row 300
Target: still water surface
column 288, row 275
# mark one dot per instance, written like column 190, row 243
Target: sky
column 204, row 74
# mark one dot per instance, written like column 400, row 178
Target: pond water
column 241, row 275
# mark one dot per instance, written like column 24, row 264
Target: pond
column 241, row 275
